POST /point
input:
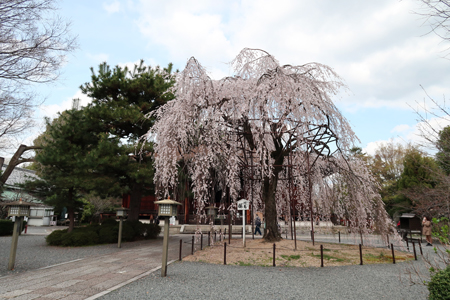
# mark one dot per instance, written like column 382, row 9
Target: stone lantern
column 18, row 210
column 121, row 213
column 166, row 208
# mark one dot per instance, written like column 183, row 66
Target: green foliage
column 440, row 229
column 55, row 238
column 109, row 222
column 107, row 232
column 122, row 99
column 152, row 231
column 443, row 146
column 387, row 167
column 6, row 227
column 79, row 238
column 418, row 170
column 439, row 285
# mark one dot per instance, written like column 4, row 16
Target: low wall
column 301, row 227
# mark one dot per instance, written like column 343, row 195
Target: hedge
column 105, row 233
column 7, row 227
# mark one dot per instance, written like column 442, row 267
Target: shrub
column 439, row 285
column 84, row 238
column 129, row 231
column 108, row 234
column 66, row 239
column 151, row 231
column 54, row 238
column 6, row 227
column 94, row 227
column 109, row 222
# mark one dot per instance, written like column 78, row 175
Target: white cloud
column 401, row 128
column 378, row 48
column 113, row 7
column 51, row 111
column 419, row 135
column 373, row 146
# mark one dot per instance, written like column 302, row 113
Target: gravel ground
column 203, row 281
column 33, row 253
column 206, row 281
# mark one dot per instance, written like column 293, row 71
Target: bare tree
column 33, row 45
column 437, row 16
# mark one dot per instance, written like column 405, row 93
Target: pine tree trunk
column 70, row 210
column 135, row 202
column 71, row 219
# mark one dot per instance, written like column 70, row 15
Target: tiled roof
column 19, row 175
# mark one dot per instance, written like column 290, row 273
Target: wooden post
column 181, row 245
column 119, row 242
column 201, row 241
column 339, row 236
column 15, row 238
column 192, row 251
column 165, row 247
column 414, row 248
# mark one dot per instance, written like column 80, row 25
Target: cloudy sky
column 380, row 48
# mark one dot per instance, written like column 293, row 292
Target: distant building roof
column 19, row 175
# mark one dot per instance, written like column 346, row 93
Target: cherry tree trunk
column 135, row 202
column 271, row 233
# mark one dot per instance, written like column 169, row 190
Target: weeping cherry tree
column 271, row 133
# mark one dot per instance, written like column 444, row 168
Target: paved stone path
column 91, row 277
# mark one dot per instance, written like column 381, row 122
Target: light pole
column 166, row 208
column 18, row 210
column 121, row 213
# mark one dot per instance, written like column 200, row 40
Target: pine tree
column 121, row 98
column 62, row 164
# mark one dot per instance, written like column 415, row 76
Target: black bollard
column 393, row 255
column 321, row 256
column 274, row 254
column 225, row 253
column 360, row 255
